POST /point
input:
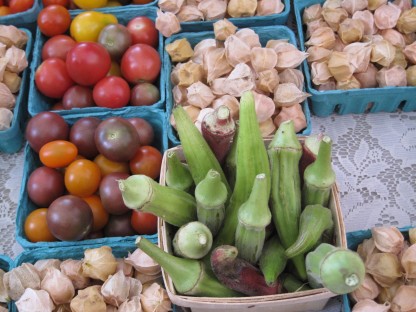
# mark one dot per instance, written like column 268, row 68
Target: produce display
column 99, row 280
column 388, row 253
column 361, row 44
column 13, row 61
column 75, row 188
column 97, row 60
column 8, row 7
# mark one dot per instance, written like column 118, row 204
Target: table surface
column 374, row 157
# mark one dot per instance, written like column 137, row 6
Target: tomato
column 100, row 215
column 144, row 94
column 77, row 97
column 64, row 3
column 143, row 30
column 113, row 4
column 17, row 6
column 140, row 63
column 86, row 26
column 82, row 135
column 52, row 78
column 144, row 130
column 45, row 185
column 119, row 225
column 4, row 10
column 87, row 63
column 111, row 92
column 144, row 223
column 90, row 4
column 58, row 154
column 147, row 161
column 57, row 46
column 110, row 193
column 53, row 20
column 108, row 166
column 36, row 226
column 114, row 69
column 57, row 106
column 82, row 177
column 116, row 39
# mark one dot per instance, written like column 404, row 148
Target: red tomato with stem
column 52, row 78
column 17, row 6
column 111, row 92
column 140, row 63
column 147, row 161
column 54, row 20
column 143, row 30
column 144, row 223
column 57, row 46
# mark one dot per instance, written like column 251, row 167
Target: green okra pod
column 273, row 260
column 177, row 173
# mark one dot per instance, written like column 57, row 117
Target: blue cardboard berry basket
column 39, row 102
column 253, row 21
column 353, row 240
column 11, row 140
column 265, row 33
column 6, row 264
column 155, row 117
column 354, row 101
column 26, row 19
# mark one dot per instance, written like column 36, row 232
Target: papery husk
column 241, row 79
column 287, row 94
column 263, row 59
column 369, row 305
column 63, row 308
column 294, row 113
column 332, row 4
column 410, row 52
column 400, row 59
column 368, row 79
column 213, row 9
column 99, row 263
column 73, row 269
column 42, row 264
column 202, row 113
column 223, row 29
column 314, row 25
column 334, row 17
column 145, row 278
column 394, row 37
column 126, row 268
column 12, row 36
column 407, row 21
column 155, row 299
column 352, row 6
column 318, row 54
column 359, row 55
column 267, row 80
column 231, row 102
column 383, row 52
column 406, row 245
column 3, row 64
column 88, row 300
column 322, row 37
column 6, row 117
column 280, row 45
column 136, row 287
column 411, row 75
column 351, row 83
column 388, row 238
column 35, row 300
column 405, row 299
column 199, row 95
column 269, row 7
column 292, row 75
column 290, row 59
column 3, row 49
column 339, row 45
column 264, row 106
column 167, row 23
column 17, row 61
column 267, row 127
column 386, row 16
column 374, row 4
column 367, row 18
column 409, row 38
column 179, row 95
column 367, row 290
column 350, row 30
column 387, row 293
column 394, row 76
column 18, row 279
column 312, row 13
column 412, row 231
column 408, row 261
column 132, row 305
column 185, row 74
column 12, row 80
column 172, row 6
column 3, row 292
column 189, row 13
column 115, row 289
column 179, row 50
column 201, row 48
column 236, row 50
column 404, row 5
column 142, row 262
column 320, row 73
column 385, row 268
column 241, row 8
column 330, row 85
column 218, row 86
column 249, row 36
column 58, row 285
column 367, row 248
column 192, row 112
column 339, row 66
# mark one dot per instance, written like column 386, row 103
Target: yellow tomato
column 88, row 25
column 90, row 4
column 113, row 3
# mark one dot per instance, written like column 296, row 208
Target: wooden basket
column 310, row 300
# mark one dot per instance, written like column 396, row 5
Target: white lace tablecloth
column 374, row 157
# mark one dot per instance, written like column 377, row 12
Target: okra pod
column 273, row 260
column 193, row 240
column 177, row 173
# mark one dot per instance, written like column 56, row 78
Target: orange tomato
column 100, row 215
column 108, row 166
column 82, row 177
column 36, row 227
column 58, row 154
column 4, row 10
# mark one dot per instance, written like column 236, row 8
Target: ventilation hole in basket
column 337, row 108
column 401, row 105
column 369, row 106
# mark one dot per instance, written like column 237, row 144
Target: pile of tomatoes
column 75, row 189
column 92, row 60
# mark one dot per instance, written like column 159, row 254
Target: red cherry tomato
column 88, row 63
column 54, row 20
column 57, row 46
column 17, row 6
column 111, row 92
column 144, row 223
column 52, row 78
column 140, row 63
column 143, row 30
column 147, row 161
